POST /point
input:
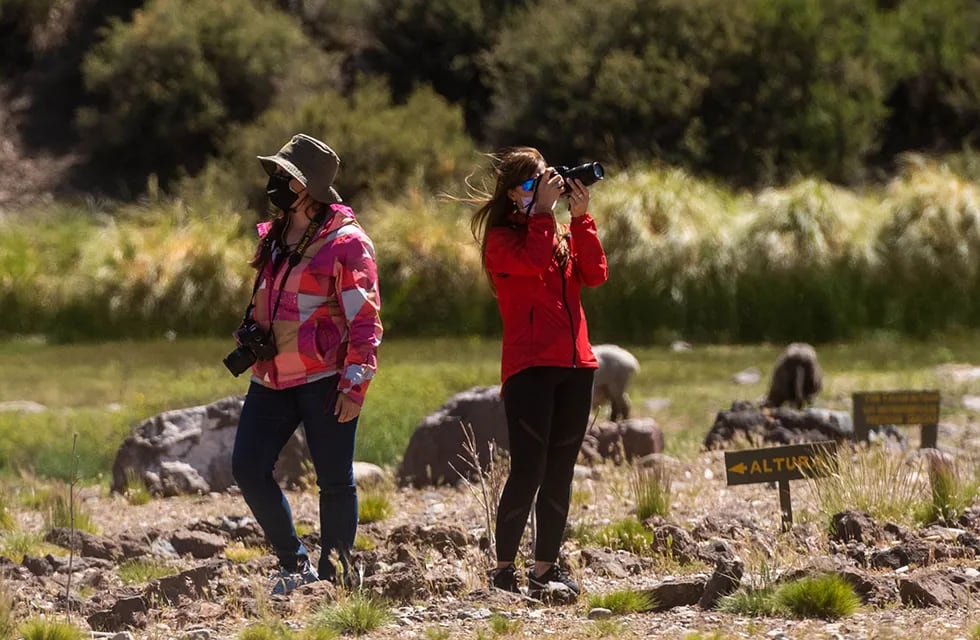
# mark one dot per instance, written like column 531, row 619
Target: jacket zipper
column 571, row 324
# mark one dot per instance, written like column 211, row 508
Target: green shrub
column 752, row 91
column 828, row 596
column 623, row 601
column 138, row 571
column 42, row 629
column 751, row 602
column 651, row 490
column 952, row 490
column 357, row 615
column 385, row 147
column 164, row 87
column 8, row 622
column 627, row 534
column 929, row 248
column 373, row 506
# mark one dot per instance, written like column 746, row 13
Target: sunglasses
column 528, row 184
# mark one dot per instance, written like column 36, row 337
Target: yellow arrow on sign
column 739, row 468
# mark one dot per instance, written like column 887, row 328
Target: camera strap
column 294, row 257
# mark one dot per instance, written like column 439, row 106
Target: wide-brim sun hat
column 311, row 162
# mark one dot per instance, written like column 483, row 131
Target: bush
column 829, row 597
column 165, row 87
column 384, row 147
column 753, row 91
column 929, row 248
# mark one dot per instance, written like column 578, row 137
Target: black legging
column 547, row 415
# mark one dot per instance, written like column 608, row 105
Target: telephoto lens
column 588, row 174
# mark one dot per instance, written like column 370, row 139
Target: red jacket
column 540, row 304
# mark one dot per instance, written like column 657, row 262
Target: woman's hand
column 550, row 187
column 346, row 409
column 578, row 199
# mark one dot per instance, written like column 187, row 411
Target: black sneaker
column 505, row 578
column 537, row 586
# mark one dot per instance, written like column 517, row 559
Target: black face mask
column 280, row 195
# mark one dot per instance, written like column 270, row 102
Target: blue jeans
column 268, row 419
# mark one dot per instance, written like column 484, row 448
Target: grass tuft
column 41, row 629
column 627, row 534
column 373, row 506
column 503, row 626
column 828, row 596
column 8, row 622
column 356, row 615
column 138, row 571
column 952, row 490
column 651, row 491
column 623, row 601
column 240, row 554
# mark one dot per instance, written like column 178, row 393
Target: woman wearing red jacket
column 537, row 268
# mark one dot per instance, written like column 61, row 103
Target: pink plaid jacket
column 328, row 319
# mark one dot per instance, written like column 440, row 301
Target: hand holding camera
column 549, row 188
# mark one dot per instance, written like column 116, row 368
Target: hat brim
column 269, row 163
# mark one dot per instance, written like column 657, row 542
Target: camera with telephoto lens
column 588, row 174
column 253, row 344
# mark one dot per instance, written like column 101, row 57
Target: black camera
column 588, row 174
column 253, row 344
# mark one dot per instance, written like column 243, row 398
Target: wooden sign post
column 780, row 464
column 899, row 408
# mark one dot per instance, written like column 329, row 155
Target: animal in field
column 616, row 369
column 796, row 377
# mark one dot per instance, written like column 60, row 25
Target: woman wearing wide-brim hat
column 313, row 328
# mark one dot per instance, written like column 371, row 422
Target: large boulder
column 436, row 452
column 189, row 450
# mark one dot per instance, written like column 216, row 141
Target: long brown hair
column 511, row 167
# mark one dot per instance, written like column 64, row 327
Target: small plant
column 240, row 554
column 266, row 630
column 17, row 544
column 749, row 601
column 40, row 629
column 6, row 518
column 623, row 601
column 373, row 506
column 7, row 622
column 491, row 479
column 364, row 543
column 651, row 491
column 139, row 571
column 59, row 514
column 581, row 497
column 503, row 626
column 627, row 534
column 975, row 633
column 828, row 596
column 607, row 629
column 136, row 492
column 357, row 615
column 950, row 489
column 876, row 480
column 436, row 633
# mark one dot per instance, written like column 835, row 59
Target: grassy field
column 99, row 391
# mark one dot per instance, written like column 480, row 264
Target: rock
column 725, row 580
column 599, row 613
column 676, row 593
column 748, row 376
column 198, row 544
column 854, row 525
column 931, row 590
column 367, row 475
column 190, row 450
column 674, row 542
column 436, row 453
column 626, row 440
